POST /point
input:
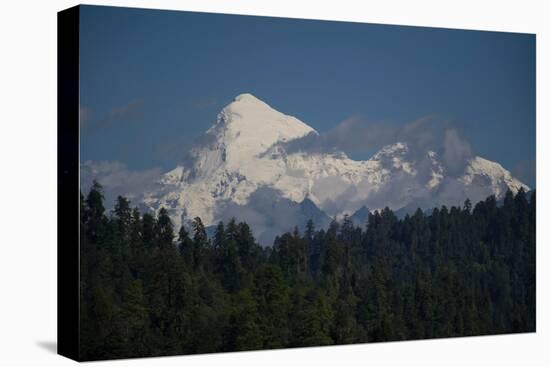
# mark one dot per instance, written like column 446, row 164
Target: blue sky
column 152, row 81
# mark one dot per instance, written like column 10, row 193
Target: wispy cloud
column 455, row 151
column 269, row 214
column 117, row 179
column 357, row 135
column 119, row 115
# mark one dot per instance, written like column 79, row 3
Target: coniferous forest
column 149, row 289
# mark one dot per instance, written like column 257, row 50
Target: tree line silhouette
column 149, row 291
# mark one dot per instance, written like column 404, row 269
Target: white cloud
column 456, row 151
column 117, row 179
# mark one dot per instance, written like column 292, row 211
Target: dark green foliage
column 164, row 229
column 200, row 245
column 459, row 271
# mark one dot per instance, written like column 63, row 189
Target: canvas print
column 251, row 183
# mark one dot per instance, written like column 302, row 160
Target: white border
column 28, row 181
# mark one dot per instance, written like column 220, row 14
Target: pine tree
column 123, row 218
column 95, row 213
column 149, row 230
column 186, row 246
column 271, row 295
column 452, row 272
column 201, row 243
column 164, row 229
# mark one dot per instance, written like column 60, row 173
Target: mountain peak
column 398, row 148
column 247, row 103
column 246, row 106
column 251, row 126
column 243, row 157
column 244, row 130
column 247, row 97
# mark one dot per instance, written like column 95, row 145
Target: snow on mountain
column 225, row 166
column 240, row 167
column 493, row 174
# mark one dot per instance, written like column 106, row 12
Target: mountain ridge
column 242, row 158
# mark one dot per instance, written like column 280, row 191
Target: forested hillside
column 149, row 289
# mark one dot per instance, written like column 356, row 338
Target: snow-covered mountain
column 241, row 168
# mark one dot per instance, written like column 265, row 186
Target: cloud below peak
column 117, row 179
column 359, row 136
